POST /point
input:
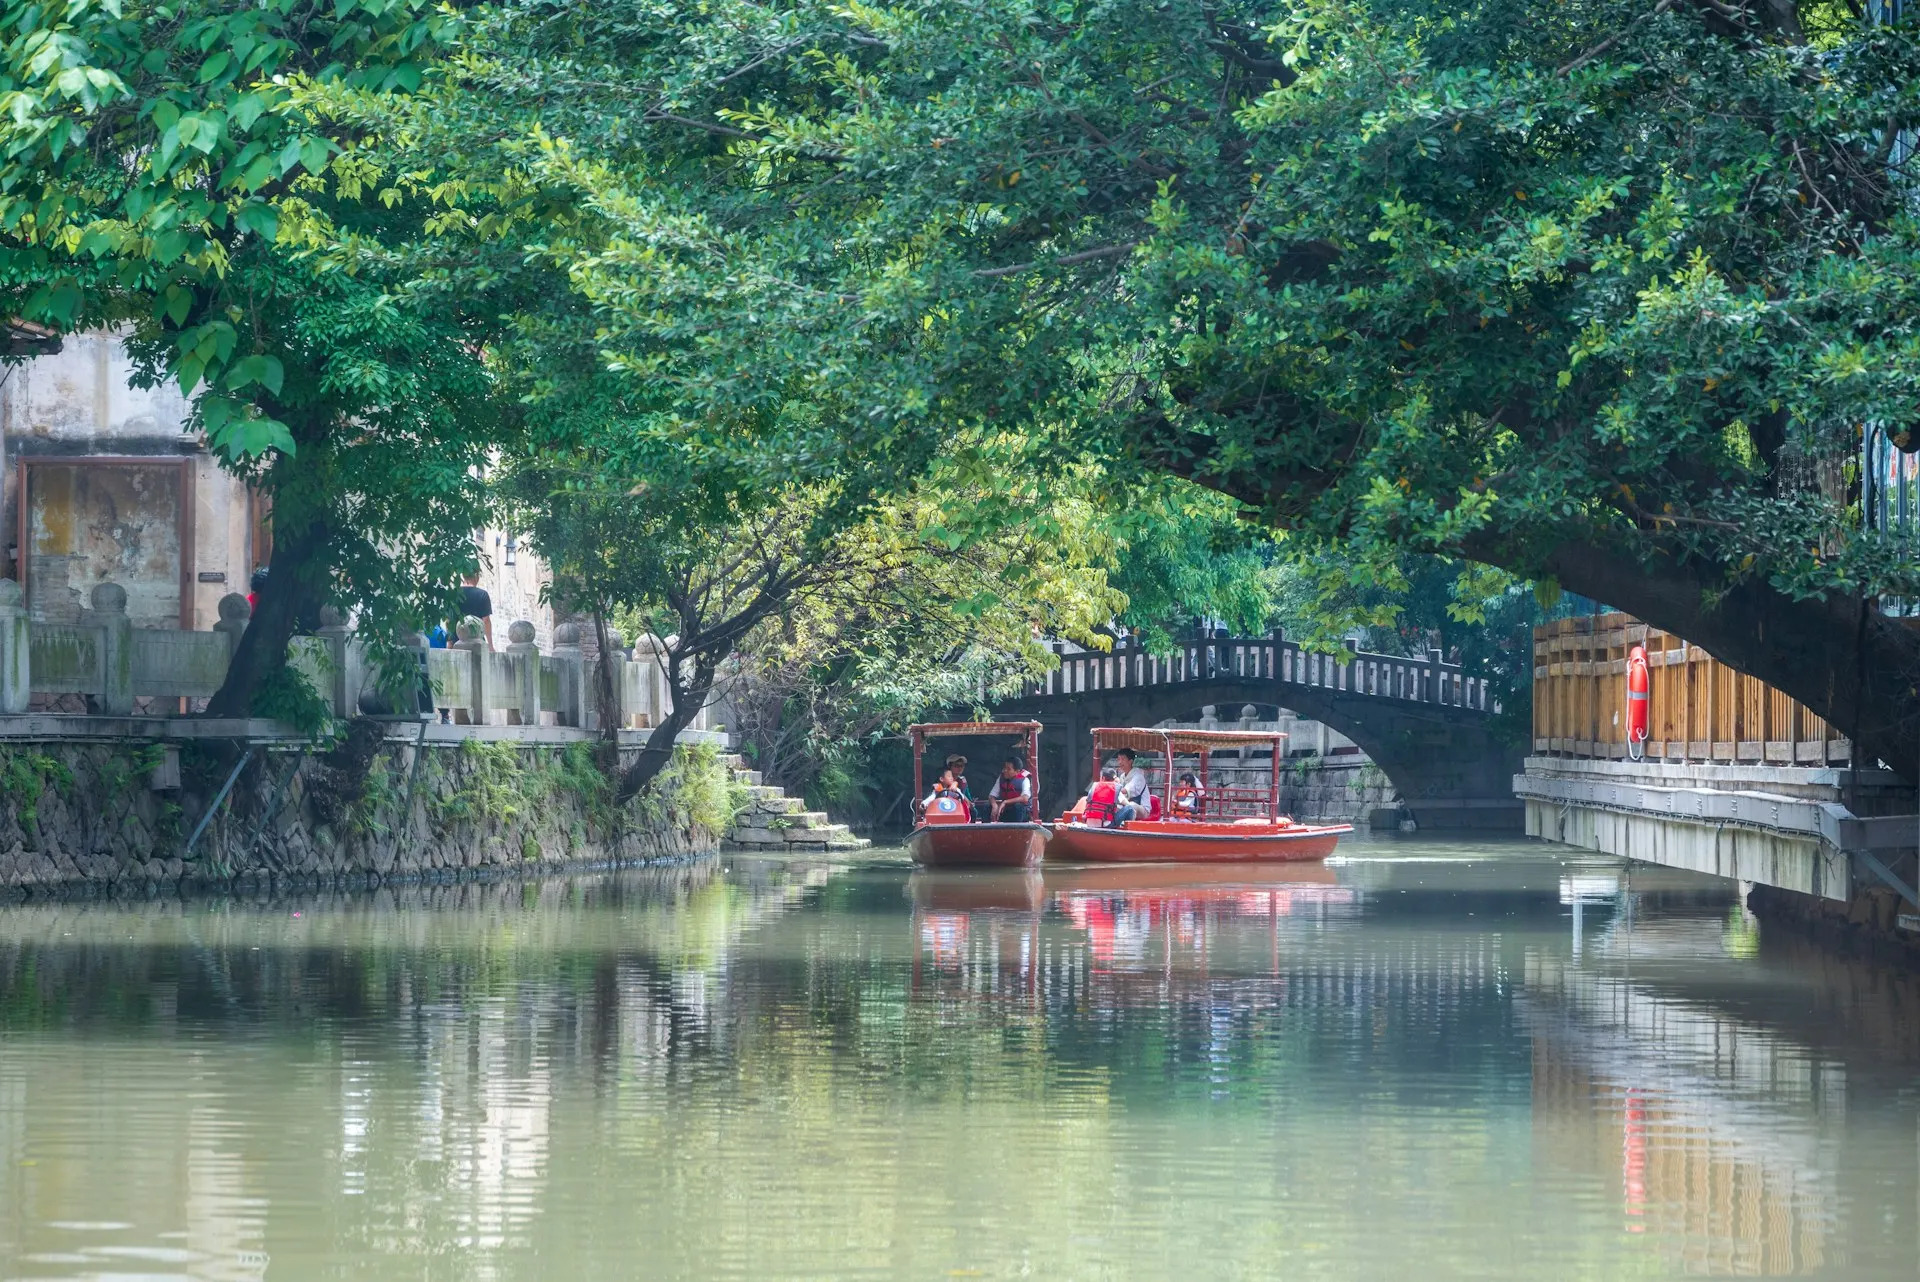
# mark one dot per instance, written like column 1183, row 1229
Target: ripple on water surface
column 1419, row 1060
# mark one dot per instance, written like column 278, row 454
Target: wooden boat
column 946, row 836
column 1184, row 841
column 1236, row 824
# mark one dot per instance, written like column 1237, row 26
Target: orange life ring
column 1638, row 703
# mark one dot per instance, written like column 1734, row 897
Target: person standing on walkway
column 476, row 604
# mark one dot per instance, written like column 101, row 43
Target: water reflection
column 1422, row 1060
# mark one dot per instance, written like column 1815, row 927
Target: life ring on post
column 1637, row 703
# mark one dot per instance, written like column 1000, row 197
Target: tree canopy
column 1595, row 295
column 1598, row 295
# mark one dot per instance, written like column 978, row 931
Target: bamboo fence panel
column 1700, row 710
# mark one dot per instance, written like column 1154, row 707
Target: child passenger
column 1188, row 797
column 947, row 785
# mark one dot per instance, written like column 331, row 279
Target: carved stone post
column 109, row 614
column 16, row 674
column 234, row 614
column 598, row 717
column 474, row 642
column 343, row 681
column 421, row 699
column 524, row 659
column 566, row 661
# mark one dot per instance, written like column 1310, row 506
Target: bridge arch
column 1424, row 724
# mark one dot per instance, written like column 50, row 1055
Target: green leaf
column 260, row 218
column 262, row 369
column 245, row 110
column 314, row 151
column 177, row 300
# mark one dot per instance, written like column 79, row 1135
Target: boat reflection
column 1035, row 934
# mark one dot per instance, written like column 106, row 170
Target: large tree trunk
column 659, row 750
column 1841, row 658
column 292, row 592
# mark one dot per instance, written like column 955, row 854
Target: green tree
column 1598, row 296
column 159, row 171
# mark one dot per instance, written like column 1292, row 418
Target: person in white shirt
column 1012, row 794
column 1133, row 788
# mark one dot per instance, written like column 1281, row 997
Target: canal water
column 1421, row 1061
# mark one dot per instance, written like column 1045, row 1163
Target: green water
column 1423, row 1061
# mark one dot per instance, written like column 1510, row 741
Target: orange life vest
column 1100, row 804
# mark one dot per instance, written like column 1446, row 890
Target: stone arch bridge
column 1424, row 722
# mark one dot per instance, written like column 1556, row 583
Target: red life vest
column 1100, row 804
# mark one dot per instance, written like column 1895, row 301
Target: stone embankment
column 1338, row 789
column 769, row 819
column 381, row 803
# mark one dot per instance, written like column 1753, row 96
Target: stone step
column 752, row 778
column 813, row 820
column 761, row 792
column 826, row 832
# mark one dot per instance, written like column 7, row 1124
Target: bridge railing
column 1267, row 659
column 1699, row 709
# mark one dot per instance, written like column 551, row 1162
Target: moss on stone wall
column 86, row 813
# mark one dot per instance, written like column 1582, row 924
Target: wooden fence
column 1700, row 710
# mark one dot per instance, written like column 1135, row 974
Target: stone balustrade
column 113, row 663
column 1231, row 660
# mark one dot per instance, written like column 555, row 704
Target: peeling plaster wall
column 79, row 403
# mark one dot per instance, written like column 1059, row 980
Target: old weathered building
column 104, row 485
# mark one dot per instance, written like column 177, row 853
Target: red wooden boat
column 1235, row 822
column 946, row 836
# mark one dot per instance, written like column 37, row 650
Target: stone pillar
column 597, row 717
column 234, row 614
column 343, row 677
column 109, row 614
column 566, row 656
column 524, row 658
column 473, row 642
column 16, row 673
column 410, row 704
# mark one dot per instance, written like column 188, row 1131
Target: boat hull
column 1147, row 841
column 978, row 845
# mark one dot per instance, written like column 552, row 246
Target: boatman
column 1012, row 794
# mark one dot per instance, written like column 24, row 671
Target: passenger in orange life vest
column 957, row 767
column 1102, row 799
column 1188, row 797
column 945, row 786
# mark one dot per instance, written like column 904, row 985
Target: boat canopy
column 1153, row 739
column 1028, row 732
column 932, row 729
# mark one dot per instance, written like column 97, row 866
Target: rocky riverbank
column 370, row 807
